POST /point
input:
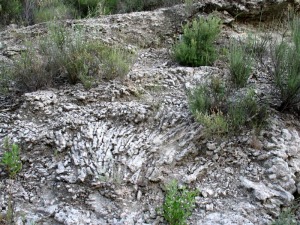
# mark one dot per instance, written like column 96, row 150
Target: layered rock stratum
column 104, row 155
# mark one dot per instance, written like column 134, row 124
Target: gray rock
column 226, row 218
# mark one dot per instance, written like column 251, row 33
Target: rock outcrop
column 102, row 156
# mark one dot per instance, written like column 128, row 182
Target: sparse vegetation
column 257, row 45
column 8, row 217
column 11, row 158
column 215, row 124
column 53, row 10
column 125, row 6
column 286, row 217
column 220, row 116
column 286, row 60
column 36, row 11
column 66, row 56
column 246, row 111
column 196, row 45
column 179, row 204
column 240, row 65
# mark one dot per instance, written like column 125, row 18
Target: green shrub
column 125, row 6
column 246, row 111
column 5, row 77
column 196, row 47
column 53, row 10
column 84, row 61
column 10, row 11
column 211, row 107
column 286, row 60
column 207, row 98
column 215, row 124
column 179, row 204
column 11, row 158
column 286, row 217
column 218, row 91
column 206, row 103
column 239, row 64
column 85, row 7
column 257, row 45
column 114, row 64
column 110, row 6
column 200, row 100
column 36, row 11
column 29, row 73
column 64, row 56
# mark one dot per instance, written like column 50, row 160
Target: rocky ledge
column 103, row 156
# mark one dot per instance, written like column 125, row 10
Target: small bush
column 64, row 56
column 286, row 60
column 84, row 7
column 114, row 64
column 206, row 103
column 110, row 6
column 179, row 204
column 29, row 73
column 246, row 111
column 125, row 6
column 239, row 64
column 11, row 158
column 10, row 11
column 257, row 45
column 211, row 107
column 53, row 10
column 196, row 47
column 200, row 100
column 218, row 91
column 36, row 11
column 5, row 77
column 84, row 61
column 208, row 98
column 215, row 124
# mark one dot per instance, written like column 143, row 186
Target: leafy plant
column 239, row 64
column 11, row 158
column 179, row 204
column 196, row 45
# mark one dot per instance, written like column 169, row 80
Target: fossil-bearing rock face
column 102, row 156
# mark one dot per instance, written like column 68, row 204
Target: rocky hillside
column 104, row 155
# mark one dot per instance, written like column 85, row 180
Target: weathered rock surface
column 102, row 156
